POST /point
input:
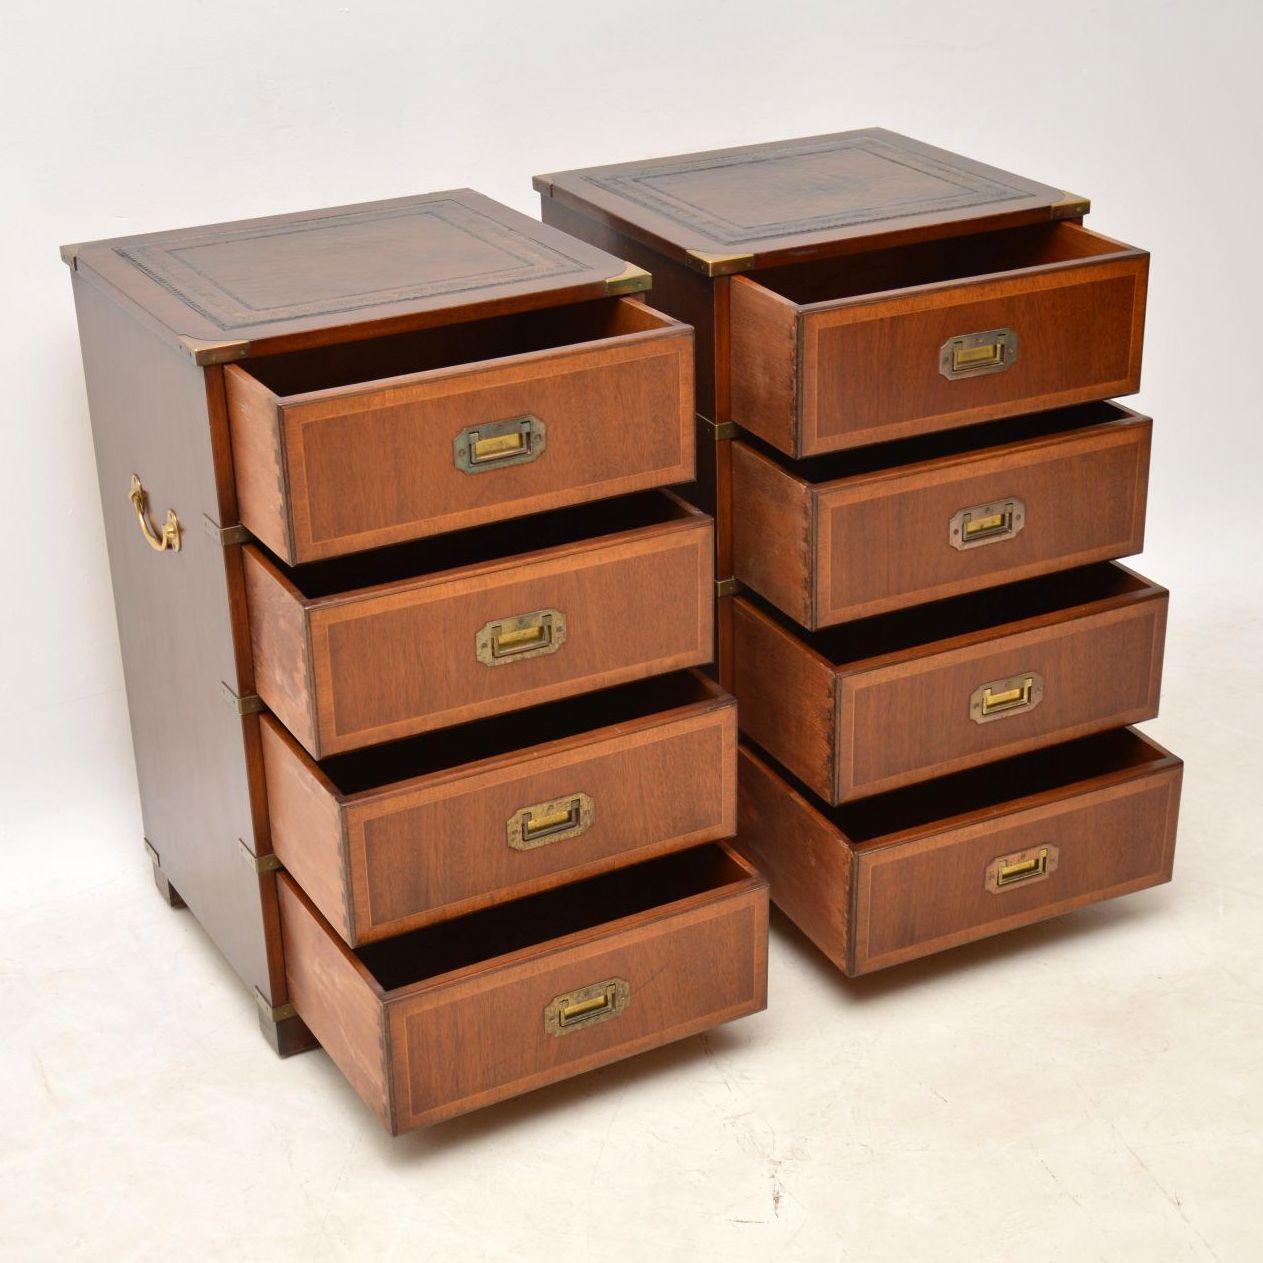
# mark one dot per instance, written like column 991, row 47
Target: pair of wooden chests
column 418, row 646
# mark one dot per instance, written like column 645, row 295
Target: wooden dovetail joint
column 203, row 353
column 719, row 264
column 631, row 280
column 1071, row 206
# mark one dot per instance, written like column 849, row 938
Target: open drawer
column 369, row 443
column 356, row 651
column 399, row 836
column 935, row 865
column 887, row 701
column 467, row 1012
column 858, row 533
column 838, row 352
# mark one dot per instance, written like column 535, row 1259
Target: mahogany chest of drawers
column 411, row 656
column 921, row 489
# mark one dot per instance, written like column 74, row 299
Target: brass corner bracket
column 225, row 535
column 726, row 587
column 718, row 431
column 273, row 1012
column 260, row 863
column 631, row 280
column 718, row 264
column 203, row 353
column 1071, row 206
column 247, row 704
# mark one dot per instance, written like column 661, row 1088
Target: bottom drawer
column 470, row 1011
column 945, row 862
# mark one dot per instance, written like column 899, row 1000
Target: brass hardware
column 719, row 264
column 544, row 823
column 247, row 704
column 202, row 352
column 998, row 699
column 260, row 863
column 1071, row 206
column 586, row 1007
column 153, row 854
column 974, row 354
column 497, row 444
column 986, row 523
column 274, row 1012
column 158, row 540
column 523, row 636
column 718, row 431
column 1029, row 866
column 225, row 535
column 726, row 587
column 631, row 280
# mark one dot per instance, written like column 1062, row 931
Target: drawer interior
column 931, row 262
column 523, row 923
column 498, row 541
column 982, row 790
column 971, row 613
column 944, row 444
column 365, row 770
column 421, row 350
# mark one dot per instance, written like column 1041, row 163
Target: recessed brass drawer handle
column 586, row 1007
column 523, row 636
column 544, row 823
column 1025, row 867
column 986, row 523
column 998, row 699
column 496, row 444
column 159, row 540
column 973, row 354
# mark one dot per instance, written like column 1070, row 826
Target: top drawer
column 370, row 443
column 842, row 352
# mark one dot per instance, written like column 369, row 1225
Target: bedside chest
column 410, row 635
column 921, row 490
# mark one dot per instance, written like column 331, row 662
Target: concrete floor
column 1090, row 1088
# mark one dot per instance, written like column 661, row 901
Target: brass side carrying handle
column 1022, row 868
column 505, row 640
column 545, row 823
column 168, row 538
column 989, row 523
column 587, row 1006
column 1013, row 695
column 497, row 444
column 974, row 354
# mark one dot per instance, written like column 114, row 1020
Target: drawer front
column 1078, row 334
column 934, row 893
column 415, row 660
column 459, row 1047
column 890, row 541
column 440, row 850
column 945, row 711
column 362, row 469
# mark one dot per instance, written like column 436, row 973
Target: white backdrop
column 145, row 115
